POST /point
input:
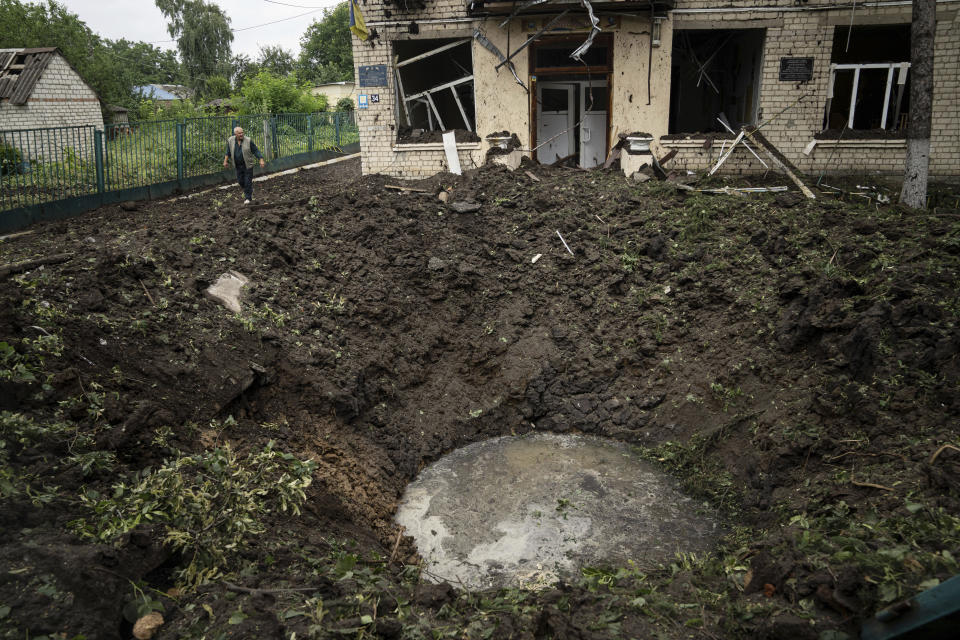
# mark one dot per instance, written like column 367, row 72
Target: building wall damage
column 827, row 84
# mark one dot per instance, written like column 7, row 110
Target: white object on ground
column 228, row 289
column 450, row 147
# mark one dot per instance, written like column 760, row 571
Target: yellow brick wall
column 791, row 31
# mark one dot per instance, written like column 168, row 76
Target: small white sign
column 362, row 102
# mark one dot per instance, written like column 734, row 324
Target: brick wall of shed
column 59, row 99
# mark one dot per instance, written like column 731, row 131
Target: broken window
column 715, row 72
column 868, row 78
column 434, row 84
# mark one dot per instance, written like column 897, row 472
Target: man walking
column 243, row 151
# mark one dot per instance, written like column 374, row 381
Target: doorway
column 571, row 104
column 572, row 119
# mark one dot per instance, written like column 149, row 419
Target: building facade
column 827, row 82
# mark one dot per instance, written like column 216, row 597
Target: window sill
column 692, row 143
column 433, row 146
column 864, row 143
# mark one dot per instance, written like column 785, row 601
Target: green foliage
column 270, row 93
column 26, row 366
column 10, row 159
column 18, row 430
column 210, row 504
column 345, row 104
column 326, row 51
column 111, row 68
column 895, row 554
column 276, row 60
column 217, row 87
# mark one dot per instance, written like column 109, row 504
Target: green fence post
column 336, row 129
column 273, row 137
column 180, row 127
column 98, row 150
column 309, row 133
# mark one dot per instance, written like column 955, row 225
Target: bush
column 270, row 93
column 10, row 159
column 209, row 503
column 345, row 104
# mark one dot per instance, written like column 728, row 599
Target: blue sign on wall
column 362, row 102
column 374, row 75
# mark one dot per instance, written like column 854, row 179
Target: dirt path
column 794, row 363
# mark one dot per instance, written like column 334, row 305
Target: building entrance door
column 560, row 107
column 556, row 110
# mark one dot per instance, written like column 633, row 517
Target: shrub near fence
column 47, row 165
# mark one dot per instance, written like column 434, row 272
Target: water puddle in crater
column 522, row 511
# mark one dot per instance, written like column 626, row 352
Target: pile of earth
column 793, row 362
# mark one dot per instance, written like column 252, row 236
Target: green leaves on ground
column 210, row 504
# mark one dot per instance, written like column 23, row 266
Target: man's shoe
column 246, row 202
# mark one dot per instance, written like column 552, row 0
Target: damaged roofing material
column 594, row 30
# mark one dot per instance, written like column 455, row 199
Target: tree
column 111, row 68
column 326, row 51
column 922, row 31
column 242, row 68
column 203, row 36
column 276, row 60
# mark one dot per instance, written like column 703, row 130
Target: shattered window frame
column 455, row 106
column 689, row 61
column 849, row 69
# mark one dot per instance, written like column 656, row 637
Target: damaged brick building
column 828, row 81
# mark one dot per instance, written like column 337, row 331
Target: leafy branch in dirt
column 210, row 504
column 26, row 365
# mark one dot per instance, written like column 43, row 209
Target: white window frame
column 903, row 67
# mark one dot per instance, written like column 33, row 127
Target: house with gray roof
column 39, row 89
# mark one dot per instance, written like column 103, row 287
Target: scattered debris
column 450, row 148
column 465, row 207
column 532, row 176
column 564, row 242
column 534, row 259
column 733, row 190
column 11, row 236
column 400, row 188
column 24, row 265
column 147, row 626
column 228, row 289
column 443, row 196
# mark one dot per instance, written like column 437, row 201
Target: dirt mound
column 793, row 362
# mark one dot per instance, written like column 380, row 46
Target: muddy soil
column 794, row 363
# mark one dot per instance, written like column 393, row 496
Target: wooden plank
column 761, row 142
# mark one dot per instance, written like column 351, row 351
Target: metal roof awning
column 537, row 7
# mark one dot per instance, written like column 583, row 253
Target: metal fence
column 45, row 165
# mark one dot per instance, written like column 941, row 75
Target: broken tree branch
column 937, row 453
column 24, row 265
column 870, row 485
